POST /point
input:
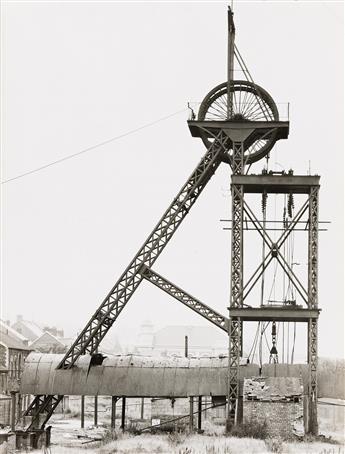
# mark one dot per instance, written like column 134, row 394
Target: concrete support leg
column 123, row 414
column 82, row 412
column 199, row 412
column 113, row 412
column 191, row 416
column 95, row 416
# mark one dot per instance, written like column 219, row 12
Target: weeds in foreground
column 308, row 438
column 110, row 435
column 133, row 428
column 331, row 451
column 214, row 450
column 185, row 451
column 176, row 437
column 274, row 444
column 250, row 429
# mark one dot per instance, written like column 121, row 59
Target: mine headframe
column 238, row 122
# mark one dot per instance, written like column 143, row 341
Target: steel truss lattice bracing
column 264, row 184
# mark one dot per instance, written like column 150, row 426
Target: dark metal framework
column 242, row 184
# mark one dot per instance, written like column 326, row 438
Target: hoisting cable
column 254, row 344
column 263, row 209
column 273, row 350
column 293, row 344
column 249, row 78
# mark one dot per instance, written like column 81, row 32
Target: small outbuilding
column 276, row 402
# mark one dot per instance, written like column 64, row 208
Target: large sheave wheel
column 250, row 102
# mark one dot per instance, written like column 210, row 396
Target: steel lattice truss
column 100, row 323
column 313, row 247
column 236, row 295
column 313, row 303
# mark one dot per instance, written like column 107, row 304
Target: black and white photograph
column 172, row 227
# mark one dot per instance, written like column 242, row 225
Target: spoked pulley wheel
column 250, row 102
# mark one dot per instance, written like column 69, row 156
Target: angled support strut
column 190, row 301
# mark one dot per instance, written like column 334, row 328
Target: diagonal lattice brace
column 111, row 307
column 41, row 409
column 185, row 298
column 276, row 247
column 268, row 258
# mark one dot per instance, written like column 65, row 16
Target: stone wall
column 283, row 419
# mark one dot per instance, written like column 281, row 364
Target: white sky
column 76, row 74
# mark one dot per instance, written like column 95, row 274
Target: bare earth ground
column 68, row 438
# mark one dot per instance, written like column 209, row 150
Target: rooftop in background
column 6, row 329
column 13, row 343
column 27, row 328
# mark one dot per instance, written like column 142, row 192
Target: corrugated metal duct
column 130, row 376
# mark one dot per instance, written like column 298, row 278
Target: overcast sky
column 75, row 74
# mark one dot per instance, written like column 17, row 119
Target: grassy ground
column 68, row 438
column 194, row 444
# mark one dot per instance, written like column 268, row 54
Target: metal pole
column 19, row 406
column 96, row 412
column 13, row 411
column 199, row 412
column 186, row 346
column 113, row 411
column 142, row 408
column 123, row 414
column 191, row 421
column 82, row 412
column 231, row 55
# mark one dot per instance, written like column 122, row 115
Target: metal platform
column 252, row 314
column 208, row 127
column 276, row 184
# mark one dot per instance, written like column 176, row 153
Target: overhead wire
column 93, row 147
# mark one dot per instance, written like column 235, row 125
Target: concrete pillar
column 82, row 412
column 123, row 414
column 191, row 416
column 95, row 419
column 113, row 411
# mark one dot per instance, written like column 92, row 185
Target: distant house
column 48, row 343
column 13, row 351
column 170, row 340
column 27, row 328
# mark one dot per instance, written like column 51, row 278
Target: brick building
column 276, row 401
column 13, row 351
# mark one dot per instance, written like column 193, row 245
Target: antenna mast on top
column 231, row 60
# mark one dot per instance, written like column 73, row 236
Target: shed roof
column 129, row 375
column 11, row 342
column 272, row 388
